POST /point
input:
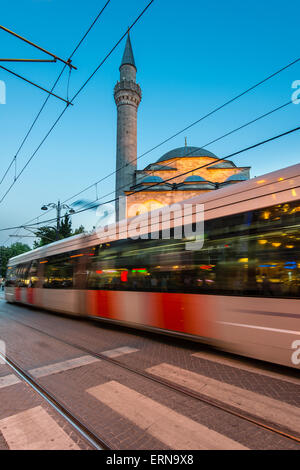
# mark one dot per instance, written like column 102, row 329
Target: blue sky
column 191, row 56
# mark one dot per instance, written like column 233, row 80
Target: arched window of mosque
column 153, row 204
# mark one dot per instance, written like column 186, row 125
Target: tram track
column 232, row 410
column 87, row 434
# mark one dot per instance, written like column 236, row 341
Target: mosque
column 174, row 176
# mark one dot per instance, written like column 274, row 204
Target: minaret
column 127, row 94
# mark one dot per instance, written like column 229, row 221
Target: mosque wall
column 147, row 200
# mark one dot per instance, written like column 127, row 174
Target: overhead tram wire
column 238, row 152
column 74, row 97
column 215, row 110
column 151, row 172
column 217, row 139
column 137, row 19
column 191, row 125
column 34, row 84
column 202, row 166
column 55, row 57
column 53, row 87
column 205, row 145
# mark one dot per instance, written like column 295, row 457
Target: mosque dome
column 152, row 179
column 186, row 151
column 195, row 179
column 237, row 177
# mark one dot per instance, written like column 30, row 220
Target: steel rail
column 76, row 423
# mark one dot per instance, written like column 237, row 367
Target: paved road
column 128, row 410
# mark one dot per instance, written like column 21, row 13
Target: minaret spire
column 128, row 58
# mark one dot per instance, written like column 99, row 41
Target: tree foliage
column 65, row 229
column 48, row 235
column 7, row 252
column 45, row 235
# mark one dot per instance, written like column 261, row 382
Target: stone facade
column 149, row 200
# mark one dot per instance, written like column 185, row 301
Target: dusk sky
column 191, row 57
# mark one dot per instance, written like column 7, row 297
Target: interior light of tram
column 267, row 266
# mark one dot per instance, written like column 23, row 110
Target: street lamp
column 58, row 208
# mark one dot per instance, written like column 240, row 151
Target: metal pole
column 58, row 210
column 38, row 47
column 28, row 60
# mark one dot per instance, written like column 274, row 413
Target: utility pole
column 58, row 211
column 58, row 208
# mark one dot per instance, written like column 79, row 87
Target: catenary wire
column 238, row 152
column 53, row 87
column 218, row 108
column 203, row 117
column 194, row 123
column 203, row 146
column 71, row 101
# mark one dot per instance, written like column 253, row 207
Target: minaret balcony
column 127, row 86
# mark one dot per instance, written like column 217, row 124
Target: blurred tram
column 240, row 292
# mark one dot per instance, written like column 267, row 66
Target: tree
column 48, row 235
column 79, row 230
column 65, row 228
column 7, row 252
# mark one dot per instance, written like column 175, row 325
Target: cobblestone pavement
column 128, row 410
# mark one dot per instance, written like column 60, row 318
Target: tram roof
column 259, row 192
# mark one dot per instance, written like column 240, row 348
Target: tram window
column 11, row 276
column 253, row 253
column 58, row 272
column 22, row 275
column 32, row 276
